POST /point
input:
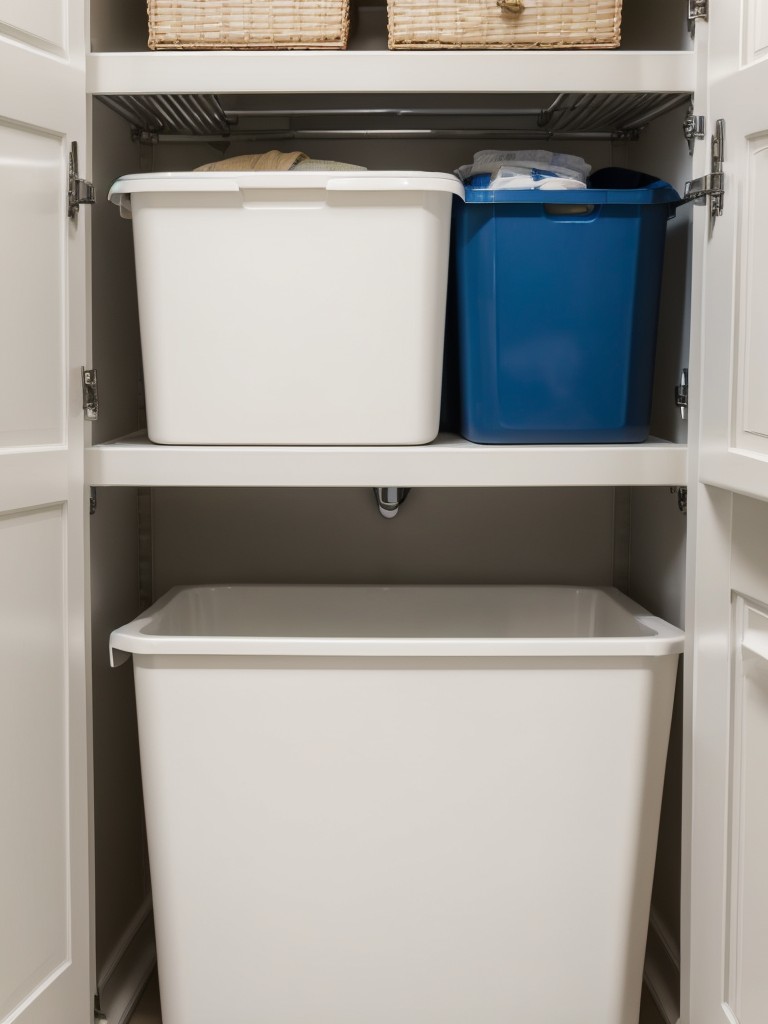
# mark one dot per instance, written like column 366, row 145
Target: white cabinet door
column 727, row 711
column 44, row 886
column 734, row 436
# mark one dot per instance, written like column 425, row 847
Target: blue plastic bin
column 558, row 299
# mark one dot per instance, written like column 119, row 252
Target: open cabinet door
column 44, row 902
column 728, row 587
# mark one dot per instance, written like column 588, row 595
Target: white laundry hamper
column 293, row 307
column 421, row 805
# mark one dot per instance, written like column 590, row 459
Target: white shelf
column 375, row 71
column 448, row 462
column 736, row 470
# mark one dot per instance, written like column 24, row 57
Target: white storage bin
column 291, row 307
column 422, row 805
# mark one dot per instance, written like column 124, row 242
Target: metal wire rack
column 563, row 116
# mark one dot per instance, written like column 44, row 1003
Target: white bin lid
column 396, row 621
column 328, row 181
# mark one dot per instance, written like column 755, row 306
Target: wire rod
column 405, row 133
column 569, row 115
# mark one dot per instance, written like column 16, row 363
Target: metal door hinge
column 695, row 127
column 681, row 394
column 712, row 185
column 682, row 498
column 79, row 191
column 98, row 1015
column 90, row 394
column 92, row 502
column 698, row 10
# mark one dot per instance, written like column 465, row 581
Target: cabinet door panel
column 751, row 386
column 40, row 23
column 756, row 33
column 44, row 877
column 32, row 282
column 727, row 707
column 34, row 806
column 747, row 908
column 734, row 423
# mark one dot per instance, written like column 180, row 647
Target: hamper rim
column 663, row 638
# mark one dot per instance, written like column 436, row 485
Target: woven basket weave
column 248, row 24
column 503, row 24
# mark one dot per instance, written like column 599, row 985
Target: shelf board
column 382, row 71
column 448, row 462
column 736, row 469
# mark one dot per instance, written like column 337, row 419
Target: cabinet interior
column 144, row 541
column 121, row 25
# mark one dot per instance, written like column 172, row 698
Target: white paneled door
column 728, row 588
column 44, row 910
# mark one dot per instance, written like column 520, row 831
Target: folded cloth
column 491, row 161
column 508, row 178
column 274, row 160
column 327, row 165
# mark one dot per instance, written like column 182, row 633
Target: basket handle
column 511, row 6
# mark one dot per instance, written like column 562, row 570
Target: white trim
column 449, row 461
column 385, row 71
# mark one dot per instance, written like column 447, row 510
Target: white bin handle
column 117, row 657
column 370, row 184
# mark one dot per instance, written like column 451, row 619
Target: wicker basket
column 503, row 24
column 248, row 24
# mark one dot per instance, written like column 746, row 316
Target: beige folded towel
column 274, row 160
column 327, row 165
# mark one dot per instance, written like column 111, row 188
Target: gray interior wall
column 336, row 535
column 658, row 529
column 663, row 151
column 121, row 876
column 657, row 575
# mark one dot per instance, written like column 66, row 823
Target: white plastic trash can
column 291, row 307
column 422, row 805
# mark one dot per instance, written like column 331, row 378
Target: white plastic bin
column 291, row 307
column 422, row 805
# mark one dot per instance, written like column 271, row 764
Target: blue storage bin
column 558, row 299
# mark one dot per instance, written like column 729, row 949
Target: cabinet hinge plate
column 695, row 127
column 698, row 10
column 681, row 394
column 90, row 394
column 712, row 185
column 682, row 498
column 98, row 1015
column 79, row 191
